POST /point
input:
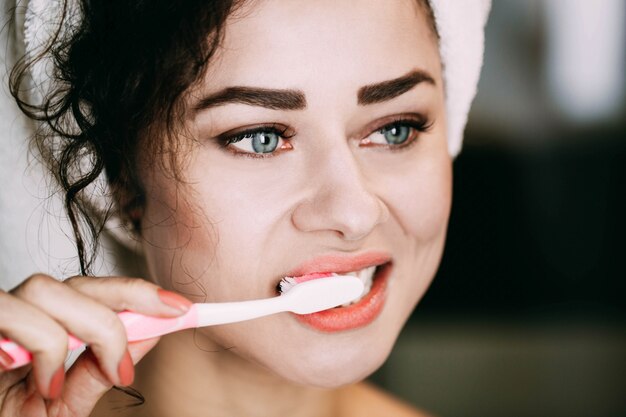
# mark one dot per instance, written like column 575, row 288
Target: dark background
column 527, row 314
column 537, row 233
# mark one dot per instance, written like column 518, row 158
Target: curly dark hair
column 122, row 71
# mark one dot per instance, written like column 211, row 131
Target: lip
column 354, row 316
column 357, row 315
column 340, row 263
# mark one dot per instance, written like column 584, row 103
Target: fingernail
column 174, row 300
column 5, row 360
column 56, row 383
column 126, row 370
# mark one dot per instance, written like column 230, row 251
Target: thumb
column 85, row 383
column 141, row 348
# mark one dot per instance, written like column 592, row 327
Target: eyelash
column 225, row 140
column 421, row 125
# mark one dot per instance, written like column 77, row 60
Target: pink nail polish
column 56, row 383
column 126, row 370
column 174, row 300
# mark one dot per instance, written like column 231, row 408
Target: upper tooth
column 364, row 274
column 367, row 274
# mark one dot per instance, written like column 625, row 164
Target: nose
column 339, row 199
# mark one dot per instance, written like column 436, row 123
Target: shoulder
column 365, row 400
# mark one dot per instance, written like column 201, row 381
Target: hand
column 41, row 312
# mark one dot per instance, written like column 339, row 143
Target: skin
column 236, row 225
column 240, row 223
column 40, row 313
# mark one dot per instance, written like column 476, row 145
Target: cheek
column 421, row 198
column 217, row 233
column 171, row 228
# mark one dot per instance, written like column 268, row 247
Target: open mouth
column 367, row 275
column 358, row 313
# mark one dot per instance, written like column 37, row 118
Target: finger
column 93, row 323
column 9, row 380
column 22, row 398
column 139, row 349
column 85, row 382
column 136, row 294
column 39, row 334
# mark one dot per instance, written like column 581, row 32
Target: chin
column 334, row 370
column 334, row 360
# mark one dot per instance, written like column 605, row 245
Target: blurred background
column 527, row 315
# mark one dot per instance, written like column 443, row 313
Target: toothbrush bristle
column 286, row 284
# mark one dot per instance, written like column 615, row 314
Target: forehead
column 323, row 44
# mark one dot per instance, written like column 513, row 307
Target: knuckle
column 130, row 282
column 138, row 284
column 75, row 279
column 37, row 285
column 110, row 329
column 52, row 347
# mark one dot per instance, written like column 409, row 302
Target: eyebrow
column 386, row 90
column 254, row 96
column 277, row 99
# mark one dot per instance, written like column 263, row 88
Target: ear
column 130, row 200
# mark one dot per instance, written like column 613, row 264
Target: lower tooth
column 365, row 292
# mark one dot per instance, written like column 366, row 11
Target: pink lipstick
column 356, row 315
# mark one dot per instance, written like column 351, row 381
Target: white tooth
column 366, row 275
column 367, row 287
column 361, row 275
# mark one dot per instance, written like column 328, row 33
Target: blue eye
column 395, row 135
column 264, row 142
column 257, row 141
column 398, row 134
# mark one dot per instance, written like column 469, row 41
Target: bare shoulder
column 367, row 400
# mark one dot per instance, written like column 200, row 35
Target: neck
column 186, row 376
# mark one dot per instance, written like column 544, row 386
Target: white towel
column 34, row 235
column 460, row 24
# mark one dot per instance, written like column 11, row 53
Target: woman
column 243, row 142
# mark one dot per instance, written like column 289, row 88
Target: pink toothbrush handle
column 138, row 327
column 22, row 357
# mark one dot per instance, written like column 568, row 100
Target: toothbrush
column 304, row 298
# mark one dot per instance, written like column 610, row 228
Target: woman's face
column 348, row 168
